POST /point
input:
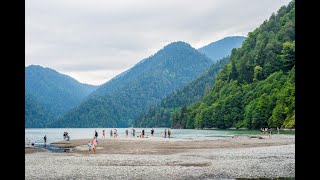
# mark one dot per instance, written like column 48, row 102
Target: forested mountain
column 118, row 102
column 159, row 115
column 49, row 91
column 36, row 114
column 215, row 51
column 257, row 87
column 222, row 48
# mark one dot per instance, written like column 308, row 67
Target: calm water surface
column 36, row 135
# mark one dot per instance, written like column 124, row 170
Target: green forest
column 118, row 102
column 159, row 115
column 257, row 87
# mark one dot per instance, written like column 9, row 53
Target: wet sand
column 154, row 158
column 29, row 150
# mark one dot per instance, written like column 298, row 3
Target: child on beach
column 169, row 133
column 89, row 144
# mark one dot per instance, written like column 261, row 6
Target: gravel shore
column 239, row 157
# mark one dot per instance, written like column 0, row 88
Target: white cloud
column 94, row 40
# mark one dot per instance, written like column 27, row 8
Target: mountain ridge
column 222, row 48
column 55, row 92
column 121, row 99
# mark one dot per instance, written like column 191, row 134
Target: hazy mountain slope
column 222, row 48
column 118, row 102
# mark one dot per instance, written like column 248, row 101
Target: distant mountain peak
column 178, row 43
column 175, row 46
column 222, row 48
column 228, row 38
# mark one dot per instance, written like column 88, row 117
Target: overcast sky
column 95, row 40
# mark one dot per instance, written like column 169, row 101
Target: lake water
column 36, row 135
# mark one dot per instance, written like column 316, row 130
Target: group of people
column 268, row 131
column 113, row 133
column 94, row 141
column 164, row 133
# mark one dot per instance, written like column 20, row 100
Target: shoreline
column 233, row 142
column 244, row 156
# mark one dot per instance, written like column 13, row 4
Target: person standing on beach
column 278, row 130
column 169, row 133
column 133, row 132
column 142, row 133
column 165, row 133
column 94, row 144
column 45, row 141
column 152, row 132
column 266, row 130
column 111, row 133
column 270, row 135
column 261, row 131
column 104, row 134
column 115, row 133
column 127, row 132
column 96, row 134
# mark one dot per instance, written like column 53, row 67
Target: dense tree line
column 257, row 87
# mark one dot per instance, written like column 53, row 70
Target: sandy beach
column 242, row 156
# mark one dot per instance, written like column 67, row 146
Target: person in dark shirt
column 96, row 133
column 45, row 141
column 165, row 133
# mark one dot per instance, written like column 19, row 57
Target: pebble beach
column 242, row 156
